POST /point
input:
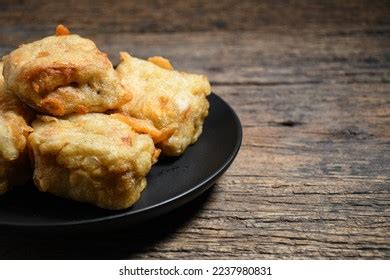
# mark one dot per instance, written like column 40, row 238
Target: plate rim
column 164, row 206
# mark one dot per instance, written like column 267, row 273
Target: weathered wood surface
column 310, row 83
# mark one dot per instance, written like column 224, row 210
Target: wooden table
column 310, row 83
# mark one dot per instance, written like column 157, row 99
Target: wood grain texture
column 98, row 16
column 310, row 83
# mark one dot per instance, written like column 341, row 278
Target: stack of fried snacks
column 86, row 131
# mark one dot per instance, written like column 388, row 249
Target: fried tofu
column 64, row 74
column 175, row 102
column 92, row 158
column 14, row 129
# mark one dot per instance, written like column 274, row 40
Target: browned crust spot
column 146, row 127
column 53, row 106
column 126, row 98
column 47, row 79
column 161, row 62
column 61, row 30
column 163, row 101
column 43, row 54
column 187, row 113
column 81, row 109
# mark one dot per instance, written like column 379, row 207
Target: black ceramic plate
column 171, row 183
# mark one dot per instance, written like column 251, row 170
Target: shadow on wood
column 119, row 244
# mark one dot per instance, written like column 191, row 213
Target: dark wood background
column 310, row 83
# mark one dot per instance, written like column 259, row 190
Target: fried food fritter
column 14, row 129
column 93, row 158
column 173, row 101
column 64, row 74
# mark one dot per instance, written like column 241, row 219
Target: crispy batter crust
column 93, row 158
column 14, row 129
column 171, row 100
column 59, row 75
